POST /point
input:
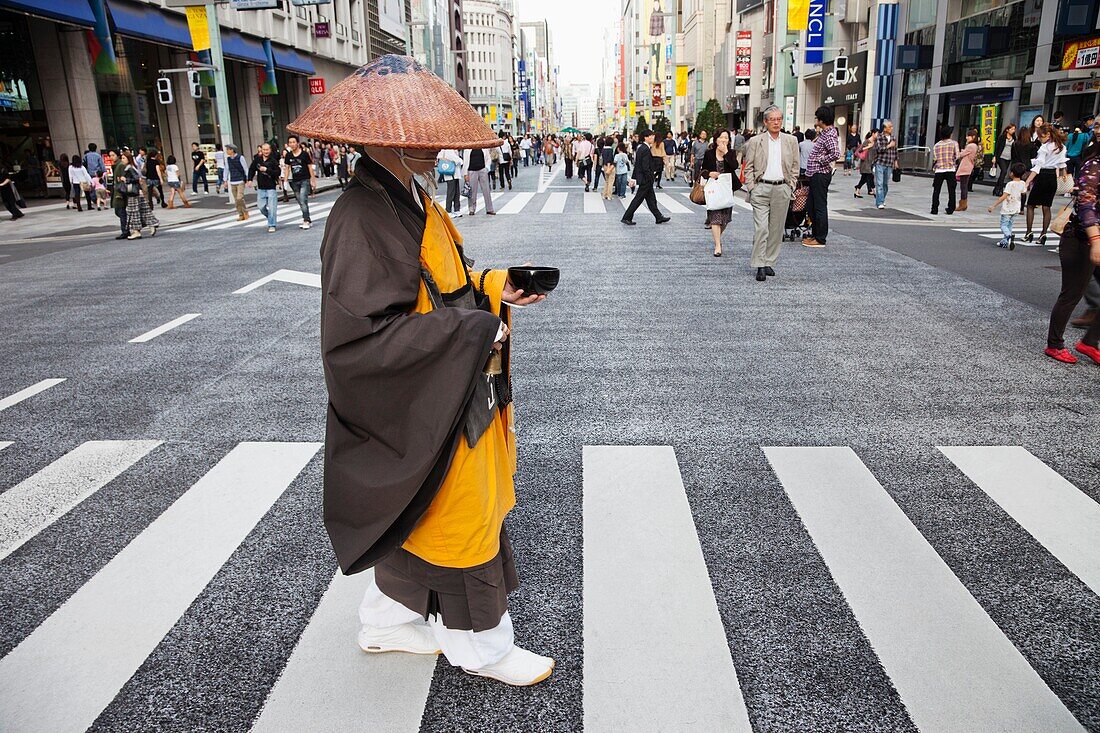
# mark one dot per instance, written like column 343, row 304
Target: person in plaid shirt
column 887, row 148
column 819, row 169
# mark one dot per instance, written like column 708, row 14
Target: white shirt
column 774, row 171
column 524, row 144
column 1049, row 158
column 172, row 172
column 1014, row 190
column 505, row 148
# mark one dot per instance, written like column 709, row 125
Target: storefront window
column 1013, row 62
column 24, row 134
column 128, row 104
column 915, row 108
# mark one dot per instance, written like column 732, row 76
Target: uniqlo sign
column 316, row 85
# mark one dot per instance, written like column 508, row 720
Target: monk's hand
column 504, row 331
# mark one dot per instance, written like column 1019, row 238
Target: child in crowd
column 102, row 195
column 1011, row 202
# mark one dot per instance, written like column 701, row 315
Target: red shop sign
column 316, row 85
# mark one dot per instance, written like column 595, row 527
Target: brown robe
column 399, row 386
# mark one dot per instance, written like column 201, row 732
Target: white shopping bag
column 719, row 192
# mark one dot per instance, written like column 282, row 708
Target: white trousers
column 470, row 649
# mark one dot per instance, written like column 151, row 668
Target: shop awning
column 150, row 23
column 288, row 59
column 242, row 48
column 77, row 12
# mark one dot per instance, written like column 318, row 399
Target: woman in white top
column 80, row 182
column 1002, row 156
column 1049, row 165
column 451, row 179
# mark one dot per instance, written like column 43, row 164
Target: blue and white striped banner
column 886, row 49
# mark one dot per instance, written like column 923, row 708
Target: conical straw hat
column 394, row 102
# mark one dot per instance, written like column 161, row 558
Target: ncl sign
column 815, row 32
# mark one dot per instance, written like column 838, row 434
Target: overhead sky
column 577, row 28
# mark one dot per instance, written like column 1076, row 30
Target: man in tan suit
column 771, row 172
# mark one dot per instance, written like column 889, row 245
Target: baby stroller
column 797, row 224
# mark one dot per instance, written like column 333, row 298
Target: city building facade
column 490, row 61
column 65, row 86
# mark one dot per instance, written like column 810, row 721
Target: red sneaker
column 1090, row 351
column 1061, row 355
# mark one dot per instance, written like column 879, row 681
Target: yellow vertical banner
column 493, row 112
column 633, row 109
column 798, row 15
column 199, row 26
column 989, row 128
column 681, row 81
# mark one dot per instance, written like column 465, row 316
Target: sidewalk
column 48, row 220
column 910, row 203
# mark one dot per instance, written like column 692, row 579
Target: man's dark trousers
column 197, row 177
column 645, row 193
column 819, row 205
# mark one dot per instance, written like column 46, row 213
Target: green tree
column 661, row 126
column 710, row 118
column 641, row 126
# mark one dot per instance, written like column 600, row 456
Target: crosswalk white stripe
column 281, row 213
column 1055, row 512
column 649, row 664
column 29, row 392
column 992, row 236
column 555, row 203
column 62, row 676
column 977, row 231
column 203, row 224
column 150, row 335
column 389, row 690
column 316, row 212
column 517, row 203
column 5, row 443
column 952, row 666
column 740, row 202
column 593, row 204
column 37, row 502
column 671, row 205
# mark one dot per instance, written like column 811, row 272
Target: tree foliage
column 710, row 118
column 641, row 126
column 661, row 126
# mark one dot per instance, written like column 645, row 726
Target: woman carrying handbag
column 967, row 157
column 719, row 160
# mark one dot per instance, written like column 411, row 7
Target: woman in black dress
column 7, row 193
column 152, row 178
column 719, row 159
column 63, row 166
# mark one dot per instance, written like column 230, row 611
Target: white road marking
column 743, row 204
column 204, row 224
column 1055, row 512
column 31, row 391
column 593, row 204
column 34, row 504
column 389, row 690
column 516, row 204
column 544, row 180
column 5, row 443
column 150, row 335
column 952, row 666
column 978, row 231
column 655, row 650
column 283, row 212
column 286, row 276
column 62, row 676
column 555, row 203
column 671, row 205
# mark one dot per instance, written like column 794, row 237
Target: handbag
column 1065, row 184
column 446, row 167
column 897, row 175
column 466, row 190
column 801, row 199
column 697, row 195
column 1061, row 221
column 719, row 192
column 85, row 186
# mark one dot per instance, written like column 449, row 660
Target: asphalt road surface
column 855, row 497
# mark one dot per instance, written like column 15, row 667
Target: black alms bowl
column 534, row 280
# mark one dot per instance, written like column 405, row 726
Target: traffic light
column 840, row 69
column 164, row 90
column 194, row 84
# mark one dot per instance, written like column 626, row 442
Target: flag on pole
column 268, row 83
column 100, row 45
column 798, row 15
column 199, row 25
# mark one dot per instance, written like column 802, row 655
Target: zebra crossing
column 994, row 233
column 952, row 666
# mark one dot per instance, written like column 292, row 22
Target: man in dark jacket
column 646, row 167
column 265, row 172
